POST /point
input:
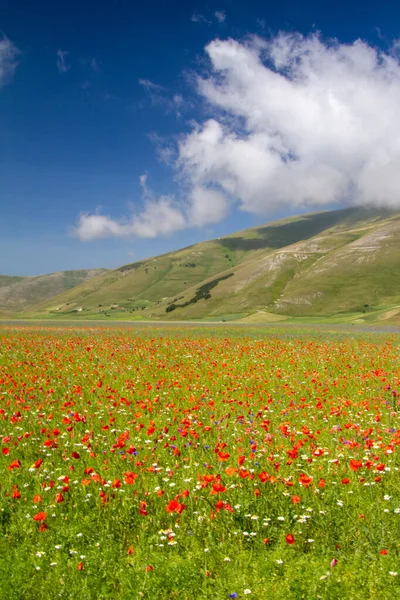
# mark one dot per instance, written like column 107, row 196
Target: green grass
column 237, row 404
column 330, row 265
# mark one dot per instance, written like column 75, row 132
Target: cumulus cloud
column 294, row 122
column 8, row 60
column 160, row 216
column 298, row 122
column 206, row 206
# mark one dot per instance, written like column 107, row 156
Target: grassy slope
column 319, row 264
column 18, row 293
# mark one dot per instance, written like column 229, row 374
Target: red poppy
column 15, row 464
column 305, row 480
column 175, row 506
column 296, row 499
column 217, row 488
column 290, row 538
column 16, row 494
column 142, row 508
column 59, row 498
column 355, row 465
column 383, row 552
column 263, row 477
column 40, row 516
column 223, row 456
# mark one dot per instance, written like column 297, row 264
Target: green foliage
column 202, row 293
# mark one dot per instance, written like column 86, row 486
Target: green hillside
column 19, row 293
column 342, row 264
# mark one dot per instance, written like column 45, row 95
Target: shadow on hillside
column 304, row 228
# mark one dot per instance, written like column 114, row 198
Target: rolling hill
column 19, row 293
column 343, row 264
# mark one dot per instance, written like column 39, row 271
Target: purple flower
column 233, row 595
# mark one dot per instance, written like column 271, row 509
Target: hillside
column 343, row 263
column 19, row 293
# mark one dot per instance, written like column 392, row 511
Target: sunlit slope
column 320, row 264
column 136, row 286
column 18, row 293
column 349, row 267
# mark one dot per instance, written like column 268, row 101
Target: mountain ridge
column 18, row 293
column 342, row 263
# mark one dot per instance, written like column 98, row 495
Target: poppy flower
column 175, row 506
column 290, row 538
column 142, row 508
column 40, row 516
column 222, row 456
column 296, row 499
column 15, row 464
column 355, row 465
column 305, row 480
column 16, row 493
column 218, row 488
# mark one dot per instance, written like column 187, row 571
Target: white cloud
column 197, row 18
column 160, row 216
column 298, row 122
column 62, row 65
column 220, row 16
column 206, row 206
column 8, row 60
column 295, row 122
column 149, row 85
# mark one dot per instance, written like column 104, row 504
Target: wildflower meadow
column 198, row 463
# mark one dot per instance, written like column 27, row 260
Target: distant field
column 195, row 462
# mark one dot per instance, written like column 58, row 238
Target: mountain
column 342, row 264
column 19, row 293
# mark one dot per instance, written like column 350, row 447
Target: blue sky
column 108, row 124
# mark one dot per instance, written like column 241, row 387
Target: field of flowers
column 198, row 463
